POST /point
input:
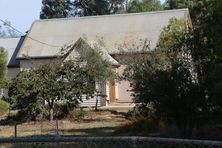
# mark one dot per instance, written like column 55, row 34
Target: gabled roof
column 12, row 46
column 80, row 47
column 115, row 31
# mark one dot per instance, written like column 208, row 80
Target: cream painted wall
column 124, row 95
column 28, row 64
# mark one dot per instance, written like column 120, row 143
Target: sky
column 21, row 13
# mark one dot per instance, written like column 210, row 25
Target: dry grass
column 99, row 123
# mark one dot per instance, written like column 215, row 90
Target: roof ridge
column 112, row 15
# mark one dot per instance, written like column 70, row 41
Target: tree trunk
column 96, row 107
column 51, row 114
column 51, row 106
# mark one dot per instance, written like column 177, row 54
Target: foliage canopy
column 181, row 82
column 144, row 6
column 178, row 99
column 69, row 8
column 68, row 82
column 3, row 66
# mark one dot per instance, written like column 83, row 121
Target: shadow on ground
column 99, row 131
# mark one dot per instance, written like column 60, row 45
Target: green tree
column 206, row 46
column 210, row 58
column 48, row 86
column 214, row 21
column 51, row 84
column 176, row 4
column 144, row 6
column 97, row 7
column 178, row 100
column 68, row 8
column 3, row 66
column 23, row 94
column 56, row 9
column 198, row 9
column 68, row 82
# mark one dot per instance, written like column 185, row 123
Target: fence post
column 41, row 126
column 57, row 127
column 15, row 130
column 62, row 128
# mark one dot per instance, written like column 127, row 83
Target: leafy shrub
column 26, row 115
column 4, row 106
column 77, row 114
column 63, row 109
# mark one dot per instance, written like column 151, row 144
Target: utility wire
column 5, row 23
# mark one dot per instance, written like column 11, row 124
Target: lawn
column 106, row 122
column 91, row 123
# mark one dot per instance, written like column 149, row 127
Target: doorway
column 112, row 91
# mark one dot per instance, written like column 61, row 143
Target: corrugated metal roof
column 115, row 30
column 12, row 46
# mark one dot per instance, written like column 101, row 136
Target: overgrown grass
column 142, row 126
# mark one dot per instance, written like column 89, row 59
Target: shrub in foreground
column 4, row 107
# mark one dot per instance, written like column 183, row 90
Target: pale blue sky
column 21, row 13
